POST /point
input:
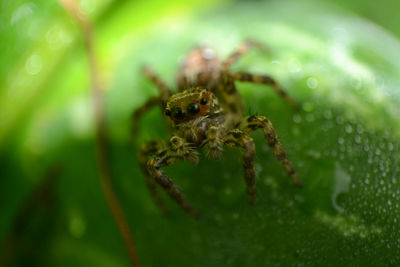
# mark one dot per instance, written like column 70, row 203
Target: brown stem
column 101, row 136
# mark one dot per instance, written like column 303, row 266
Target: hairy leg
column 252, row 123
column 139, row 112
column 176, row 151
column 232, row 100
column 241, row 139
column 214, row 142
column 161, row 86
column 148, row 149
column 243, row 48
column 264, row 79
column 164, row 93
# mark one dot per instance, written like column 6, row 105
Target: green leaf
column 343, row 143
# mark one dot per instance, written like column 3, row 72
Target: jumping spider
column 207, row 112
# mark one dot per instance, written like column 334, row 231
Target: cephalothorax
column 207, row 113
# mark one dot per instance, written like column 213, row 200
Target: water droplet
column 349, row 129
column 57, row 37
column 357, row 139
column 269, row 181
column 360, row 129
column 342, row 184
column 21, row 12
column 34, row 65
column 87, row 6
column 312, row 82
column 314, row 154
column 340, row 141
column 390, row 146
column 328, row 114
column 294, row 65
column 339, row 120
column 297, row 118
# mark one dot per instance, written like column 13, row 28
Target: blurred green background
column 340, row 59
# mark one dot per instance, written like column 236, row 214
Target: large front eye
column 179, row 113
column 193, row 108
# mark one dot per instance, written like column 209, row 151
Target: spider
column 207, row 113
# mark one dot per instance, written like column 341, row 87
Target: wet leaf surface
column 343, row 142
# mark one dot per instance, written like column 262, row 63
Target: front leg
column 213, row 146
column 252, row 123
column 177, row 151
column 147, row 150
column 241, row 139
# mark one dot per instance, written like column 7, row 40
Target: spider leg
column 214, row 142
column 231, row 99
column 241, row 139
column 161, row 86
column 139, row 112
column 264, row 79
column 176, row 151
column 252, row 123
column 147, row 150
column 227, row 89
column 243, row 48
column 164, row 93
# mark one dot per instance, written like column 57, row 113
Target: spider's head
column 191, row 104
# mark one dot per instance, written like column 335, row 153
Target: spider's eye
column 179, row 113
column 193, row 108
column 168, row 112
column 203, row 101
